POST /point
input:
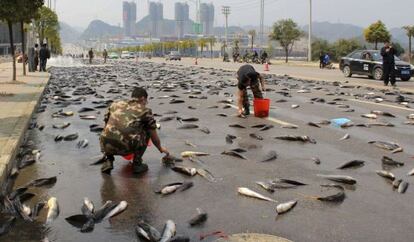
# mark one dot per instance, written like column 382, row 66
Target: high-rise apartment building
column 207, row 18
column 156, row 13
column 129, row 17
column 182, row 16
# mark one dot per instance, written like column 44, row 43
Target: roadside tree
column 252, row 34
column 342, row 47
column 211, row 41
column 47, row 28
column 286, row 32
column 377, row 33
column 410, row 33
column 320, row 46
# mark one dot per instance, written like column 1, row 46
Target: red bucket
column 261, row 107
column 131, row 156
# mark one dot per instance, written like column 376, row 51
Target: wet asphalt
column 371, row 211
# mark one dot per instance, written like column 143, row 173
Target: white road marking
column 382, row 104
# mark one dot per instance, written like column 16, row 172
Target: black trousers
column 256, row 93
column 43, row 64
column 389, row 73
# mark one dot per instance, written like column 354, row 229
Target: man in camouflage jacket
column 129, row 125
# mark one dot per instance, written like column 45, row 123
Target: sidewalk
column 17, row 103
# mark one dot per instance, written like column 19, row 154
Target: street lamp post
column 310, row 32
column 226, row 12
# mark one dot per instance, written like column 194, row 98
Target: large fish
column 390, row 162
column 87, row 207
column 386, row 174
column 256, row 136
column 402, row 187
column 285, row 207
column 206, row 174
column 352, row 164
column 117, row 210
column 393, row 147
column 339, row 178
column 198, row 219
column 189, row 171
column 53, row 210
column 146, row 231
column 267, row 186
column 70, row 137
column 304, row 138
column 101, row 213
column 43, row 182
column 249, row 193
column 61, row 126
column 387, row 114
column 168, row 231
column 193, row 153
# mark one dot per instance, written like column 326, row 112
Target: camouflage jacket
column 127, row 127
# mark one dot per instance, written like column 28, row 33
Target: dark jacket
column 388, row 57
column 247, row 76
column 44, row 53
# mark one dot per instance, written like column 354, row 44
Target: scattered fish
column 304, row 138
column 230, row 138
column 61, row 126
column 71, row 137
column 165, row 119
column 316, row 160
column 314, row 124
column 43, row 182
column 294, row 106
column 272, row 155
column 370, row 115
column 346, row 136
column 285, row 207
column 267, row 127
column 206, row 174
column 390, row 162
column 82, row 144
column 168, row 231
column 386, row 174
column 198, row 219
column 117, row 210
column 267, row 186
column 393, row 147
column 387, row 114
column 339, row 178
column 234, row 153
column 237, row 126
column 352, row 164
column 256, row 136
column 411, row 173
column 188, row 126
column 53, row 211
column 193, row 153
column 87, row 117
column 249, row 193
column 190, row 144
column 147, row 232
column 189, row 171
column 205, row 130
column 403, row 187
column 289, row 126
column 85, row 109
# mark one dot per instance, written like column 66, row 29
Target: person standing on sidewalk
column 129, row 125
column 247, row 76
column 388, row 63
column 105, row 55
column 90, row 54
column 44, row 54
column 36, row 56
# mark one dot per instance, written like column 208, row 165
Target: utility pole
column 226, row 12
column 261, row 34
column 310, row 32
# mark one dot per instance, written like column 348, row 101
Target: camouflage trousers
column 111, row 147
column 256, row 94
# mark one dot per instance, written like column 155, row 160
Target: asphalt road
column 371, row 211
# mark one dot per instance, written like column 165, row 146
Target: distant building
column 129, row 18
column 156, row 14
column 182, row 17
column 5, row 41
column 207, row 18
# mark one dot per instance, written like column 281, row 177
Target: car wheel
column 405, row 79
column 378, row 74
column 347, row 71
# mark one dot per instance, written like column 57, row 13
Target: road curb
column 8, row 154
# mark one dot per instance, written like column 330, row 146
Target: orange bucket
column 261, row 107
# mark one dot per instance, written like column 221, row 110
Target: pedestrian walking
column 321, row 60
column 247, row 76
column 105, row 55
column 44, row 54
column 129, row 125
column 388, row 63
column 36, row 56
column 90, row 54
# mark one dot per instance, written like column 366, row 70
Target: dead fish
column 58, row 138
column 411, row 122
column 43, row 182
column 85, row 109
column 169, row 188
column 239, row 150
column 316, row 160
column 214, row 106
column 7, row 225
column 222, row 115
column 175, row 101
column 101, row 213
column 346, row 136
column 411, row 173
column 337, row 197
column 289, row 181
column 352, row 164
column 170, row 112
column 53, row 211
column 324, row 122
column 285, row 207
column 19, row 191
column 188, row 119
column 96, row 129
column 191, row 107
column 390, row 162
column 396, row 183
column 190, row 144
column 237, row 126
column 168, row 231
column 206, row 174
column 411, row 116
column 256, row 136
column 267, row 186
column 259, row 126
column 77, row 220
column 380, row 124
column 26, row 162
column 25, row 196
column 87, row 117
column 294, row 106
column 189, row 171
column 394, row 147
column 304, row 138
column 272, row 155
column 249, row 193
column 369, row 115
column 205, row 130
column 117, row 210
column 188, row 126
column 230, row 138
column 387, row 114
column 165, row 119
column 146, row 231
column 314, row 124
column 198, row 219
column 61, row 126
column 339, row 178
column 234, row 153
column 386, row 174
column 70, row 137
column 193, row 153
column 87, row 207
column 403, row 187
column 82, row 144
column 289, row 126
column 170, row 159
column 267, row 127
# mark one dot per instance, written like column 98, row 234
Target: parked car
column 113, row 55
column 174, row 55
column 369, row 62
column 126, row 55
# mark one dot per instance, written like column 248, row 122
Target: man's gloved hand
column 165, row 151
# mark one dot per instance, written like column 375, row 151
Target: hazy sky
column 395, row 13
